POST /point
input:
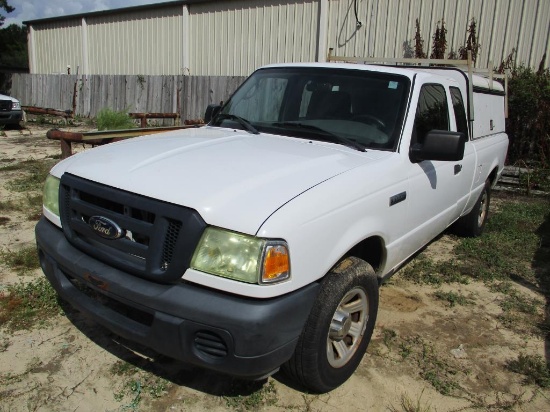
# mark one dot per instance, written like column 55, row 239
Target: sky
column 40, row 9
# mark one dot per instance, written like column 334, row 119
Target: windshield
column 336, row 105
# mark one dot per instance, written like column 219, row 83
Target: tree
column 4, row 5
column 13, row 46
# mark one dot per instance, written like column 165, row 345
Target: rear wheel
column 339, row 327
column 473, row 223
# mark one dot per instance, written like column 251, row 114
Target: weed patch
column 22, row 261
column 138, row 385
column 453, row 298
column 409, row 405
column 24, row 305
column 265, row 396
column 423, row 270
column 108, row 119
column 441, row 373
column 534, row 368
column 35, row 173
column 510, row 241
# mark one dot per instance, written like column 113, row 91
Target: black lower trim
column 232, row 334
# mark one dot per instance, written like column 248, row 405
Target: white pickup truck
column 261, row 239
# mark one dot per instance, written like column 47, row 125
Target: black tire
column 473, row 223
column 351, row 287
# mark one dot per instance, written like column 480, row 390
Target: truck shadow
column 174, row 371
column 541, row 265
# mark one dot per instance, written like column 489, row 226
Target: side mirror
column 439, row 145
column 211, row 111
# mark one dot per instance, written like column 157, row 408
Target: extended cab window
column 432, row 112
column 460, row 111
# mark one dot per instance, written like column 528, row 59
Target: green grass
column 25, row 305
column 137, row 385
column 34, row 174
column 453, row 298
column 23, row 261
column 423, row 270
column 259, row 399
column 534, row 368
column 432, row 367
column 510, row 241
column 108, row 119
column 505, row 251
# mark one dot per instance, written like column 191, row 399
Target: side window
column 460, row 111
column 432, row 111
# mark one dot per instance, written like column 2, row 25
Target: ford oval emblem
column 105, row 227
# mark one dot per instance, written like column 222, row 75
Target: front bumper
column 227, row 333
column 10, row 117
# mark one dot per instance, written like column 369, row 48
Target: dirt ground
column 72, row 364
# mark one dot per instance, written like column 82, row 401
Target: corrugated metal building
column 232, row 37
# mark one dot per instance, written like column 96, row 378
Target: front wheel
column 473, row 223
column 339, row 328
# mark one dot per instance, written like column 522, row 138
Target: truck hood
column 232, row 178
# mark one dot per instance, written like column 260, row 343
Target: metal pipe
column 102, row 137
column 52, row 112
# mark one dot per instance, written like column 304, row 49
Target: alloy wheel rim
column 347, row 327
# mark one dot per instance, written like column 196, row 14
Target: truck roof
column 478, row 81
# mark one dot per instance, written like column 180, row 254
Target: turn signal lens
column 276, row 264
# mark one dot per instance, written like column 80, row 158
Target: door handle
column 458, row 169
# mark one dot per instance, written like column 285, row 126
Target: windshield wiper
column 338, row 139
column 243, row 122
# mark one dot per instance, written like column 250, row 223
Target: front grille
column 5, row 105
column 210, row 344
column 158, row 238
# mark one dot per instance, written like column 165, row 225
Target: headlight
column 241, row 257
column 15, row 105
column 51, row 194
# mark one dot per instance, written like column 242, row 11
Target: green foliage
column 441, row 373
column 422, row 270
column 453, row 298
column 13, row 46
column 265, row 396
column 6, row 7
column 23, row 305
column 528, row 124
column 108, row 119
column 22, row 261
column 534, row 368
column 35, row 173
column 510, row 240
column 389, row 336
column 139, row 386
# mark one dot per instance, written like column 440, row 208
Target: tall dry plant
column 439, row 42
column 419, row 43
column 472, row 43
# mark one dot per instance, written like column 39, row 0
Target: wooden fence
column 87, row 95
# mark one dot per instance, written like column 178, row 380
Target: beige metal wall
column 140, row 42
column 235, row 37
column 143, row 42
column 502, row 25
column 57, row 45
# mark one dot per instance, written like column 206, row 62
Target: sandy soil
column 75, row 365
